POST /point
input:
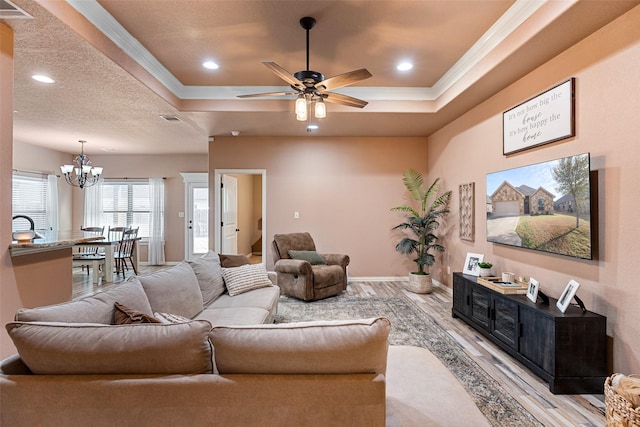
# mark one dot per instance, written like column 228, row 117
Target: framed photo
column 467, row 211
column 545, row 118
column 471, row 264
column 567, row 295
column 532, row 291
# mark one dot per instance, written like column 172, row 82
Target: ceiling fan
column 311, row 86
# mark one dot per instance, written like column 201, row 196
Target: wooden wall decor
column 467, row 211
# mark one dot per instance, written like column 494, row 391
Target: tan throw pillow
column 209, row 273
column 174, row 290
column 170, row 318
column 320, row 347
column 245, row 278
column 230, row 261
column 84, row 349
column 123, row 315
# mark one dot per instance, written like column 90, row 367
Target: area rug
column 411, row 326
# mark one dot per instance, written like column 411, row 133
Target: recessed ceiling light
column 210, row 65
column 312, row 127
column 404, row 66
column 42, row 79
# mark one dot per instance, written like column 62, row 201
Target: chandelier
column 85, row 174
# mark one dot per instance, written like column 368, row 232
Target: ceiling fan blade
column 342, row 80
column 349, row 101
column 256, row 95
column 284, row 75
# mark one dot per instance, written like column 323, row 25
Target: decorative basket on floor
column 620, row 412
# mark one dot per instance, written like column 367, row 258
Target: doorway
column 240, row 212
column 196, row 214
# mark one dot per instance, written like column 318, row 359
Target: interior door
column 197, row 219
column 229, row 214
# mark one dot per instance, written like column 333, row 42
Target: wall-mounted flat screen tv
column 544, row 207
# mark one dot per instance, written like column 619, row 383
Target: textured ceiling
column 119, row 65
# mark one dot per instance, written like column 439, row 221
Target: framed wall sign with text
column 545, row 118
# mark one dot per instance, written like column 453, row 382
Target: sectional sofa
column 191, row 345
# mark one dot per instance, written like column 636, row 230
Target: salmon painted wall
column 343, row 189
column 9, row 293
column 605, row 66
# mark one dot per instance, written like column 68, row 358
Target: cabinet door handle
column 468, row 299
column 520, row 329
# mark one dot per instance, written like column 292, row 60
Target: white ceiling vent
column 9, row 10
column 170, row 117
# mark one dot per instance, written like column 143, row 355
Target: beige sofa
column 228, row 366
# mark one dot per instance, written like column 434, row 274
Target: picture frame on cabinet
column 532, row 291
column 471, row 264
column 567, row 295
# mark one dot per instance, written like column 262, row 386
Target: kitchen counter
column 51, row 241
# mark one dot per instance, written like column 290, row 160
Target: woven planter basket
column 620, row 413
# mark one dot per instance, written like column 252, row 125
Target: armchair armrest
column 293, row 266
column 337, row 259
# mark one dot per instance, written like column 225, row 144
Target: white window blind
column 29, row 197
column 127, row 204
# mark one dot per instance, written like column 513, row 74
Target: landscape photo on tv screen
column 545, row 207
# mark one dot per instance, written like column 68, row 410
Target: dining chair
column 83, row 251
column 124, row 251
column 88, row 256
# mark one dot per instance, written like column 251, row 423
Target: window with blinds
column 29, row 197
column 127, row 204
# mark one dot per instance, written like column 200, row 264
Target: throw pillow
column 245, row 278
column 313, row 257
column 209, row 273
column 170, row 318
column 123, row 315
column 174, row 290
column 86, row 349
column 230, row 261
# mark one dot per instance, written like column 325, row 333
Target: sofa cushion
column 245, row 278
column 312, row 257
column 123, row 315
column 236, row 316
column 209, row 273
column 230, row 261
column 83, row 348
column 266, row 298
column 98, row 308
column 174, row 290
column 320, row 347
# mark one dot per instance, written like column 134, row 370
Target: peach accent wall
column 606, row 68
column 9, row 295
column 343, row 189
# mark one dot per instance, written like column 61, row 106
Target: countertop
column 52, row 240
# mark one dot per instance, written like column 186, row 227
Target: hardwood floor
column 530, row 391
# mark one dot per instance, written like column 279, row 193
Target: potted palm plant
column 422, row 223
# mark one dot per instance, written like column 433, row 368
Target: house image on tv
column 567, row 203
column 508, row 200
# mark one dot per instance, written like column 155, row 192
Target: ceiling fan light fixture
column 320, row 109
column 301, row 108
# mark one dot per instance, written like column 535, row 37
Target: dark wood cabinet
column 566, row 349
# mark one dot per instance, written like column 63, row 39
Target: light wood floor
column 528, row 389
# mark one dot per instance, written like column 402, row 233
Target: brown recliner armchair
column 303, row 279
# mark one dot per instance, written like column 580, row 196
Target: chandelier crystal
column 84, row 175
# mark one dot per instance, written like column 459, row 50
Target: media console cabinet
column 568, row 350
